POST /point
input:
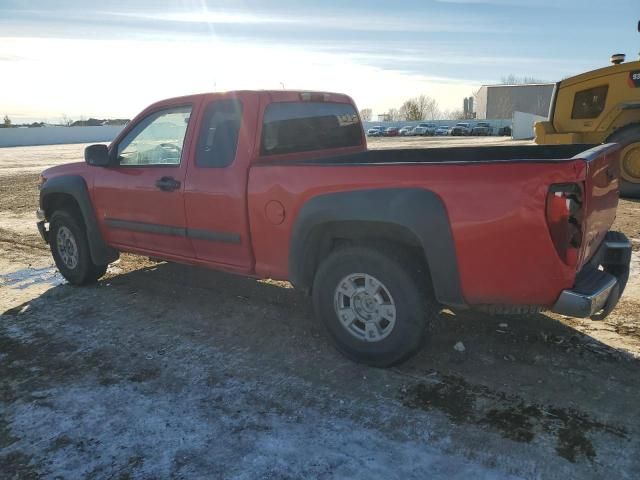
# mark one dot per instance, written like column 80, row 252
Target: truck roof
column 276, row 95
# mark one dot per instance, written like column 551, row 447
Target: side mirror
column 97, row 155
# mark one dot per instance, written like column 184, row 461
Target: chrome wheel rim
column 365, row 307
column 67, row 247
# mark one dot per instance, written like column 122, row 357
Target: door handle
column 168, row 184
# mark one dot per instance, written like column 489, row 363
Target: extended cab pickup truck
column 281, row 184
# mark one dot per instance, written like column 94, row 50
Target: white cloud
column 118, row 78
column 347, row 22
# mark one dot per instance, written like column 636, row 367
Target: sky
column 111, row 58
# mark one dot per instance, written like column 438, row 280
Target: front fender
column 76, row 187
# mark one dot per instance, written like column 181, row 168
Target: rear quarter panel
column 496, row 210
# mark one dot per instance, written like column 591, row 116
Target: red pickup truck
column 280, row 184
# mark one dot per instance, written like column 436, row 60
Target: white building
column 501, row 101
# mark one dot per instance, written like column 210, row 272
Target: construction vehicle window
column 589, row 103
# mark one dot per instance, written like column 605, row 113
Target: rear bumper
column 596, row 291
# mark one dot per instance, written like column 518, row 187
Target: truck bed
column 489, row 154
column 496, row 209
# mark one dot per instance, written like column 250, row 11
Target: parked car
column 482, row 129
column 406, row 131
column 461, row 129
column 504, row 131
column 279, row 184
column 377, row 131
column 392, row 132
column 442, row 131
column 425, row 129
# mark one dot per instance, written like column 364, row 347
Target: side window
column 218, row 138
column 156, row 140
column 589, row 103
column 305, row 126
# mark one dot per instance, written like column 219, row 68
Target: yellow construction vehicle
column 601, row 106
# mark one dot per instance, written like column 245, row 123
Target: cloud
column 345, row 22
column 11, row 58
column 78, row 79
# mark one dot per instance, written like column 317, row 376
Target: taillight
column 314, row 97
column 564, row 218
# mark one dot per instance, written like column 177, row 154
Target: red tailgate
column 602, row 180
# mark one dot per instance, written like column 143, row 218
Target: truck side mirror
column 97, row 155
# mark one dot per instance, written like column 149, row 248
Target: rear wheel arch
column 326, row 237
column 406, row 218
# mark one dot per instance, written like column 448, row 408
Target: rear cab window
column 290, row 127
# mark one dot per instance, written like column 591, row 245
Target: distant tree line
column 512, row 79
column 422, row 107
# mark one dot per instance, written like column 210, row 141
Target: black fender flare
column 76, row 187
column 420, row 211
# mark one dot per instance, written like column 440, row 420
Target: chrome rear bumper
column 600, row 283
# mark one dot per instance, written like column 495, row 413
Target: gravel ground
column 165, row 371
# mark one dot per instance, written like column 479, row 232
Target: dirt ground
column 165, row 371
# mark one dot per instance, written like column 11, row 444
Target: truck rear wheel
column 374, row 304
column 70, row 249
column 629, row 139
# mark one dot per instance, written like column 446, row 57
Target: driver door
column 140, row 199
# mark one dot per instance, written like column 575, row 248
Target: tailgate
column 600, row 195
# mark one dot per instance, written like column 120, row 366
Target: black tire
column 624, row 137
column 83, row 271
column 407, row 286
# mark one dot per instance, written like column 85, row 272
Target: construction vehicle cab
column 601, row 106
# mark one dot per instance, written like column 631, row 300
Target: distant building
column 501, row 101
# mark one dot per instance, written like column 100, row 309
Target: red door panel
column 140, row 202
column 134, row 212
column 216, row 183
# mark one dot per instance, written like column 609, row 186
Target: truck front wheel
column 374, row 304
column 70, row 249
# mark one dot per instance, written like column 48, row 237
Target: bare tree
column 418, row 108
column 65, row 120
column 6, row 122
column 430, row 108
column 512, row 79
column 453, row 115
column 393, row 115
column 366, row 114
column 410, row 111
